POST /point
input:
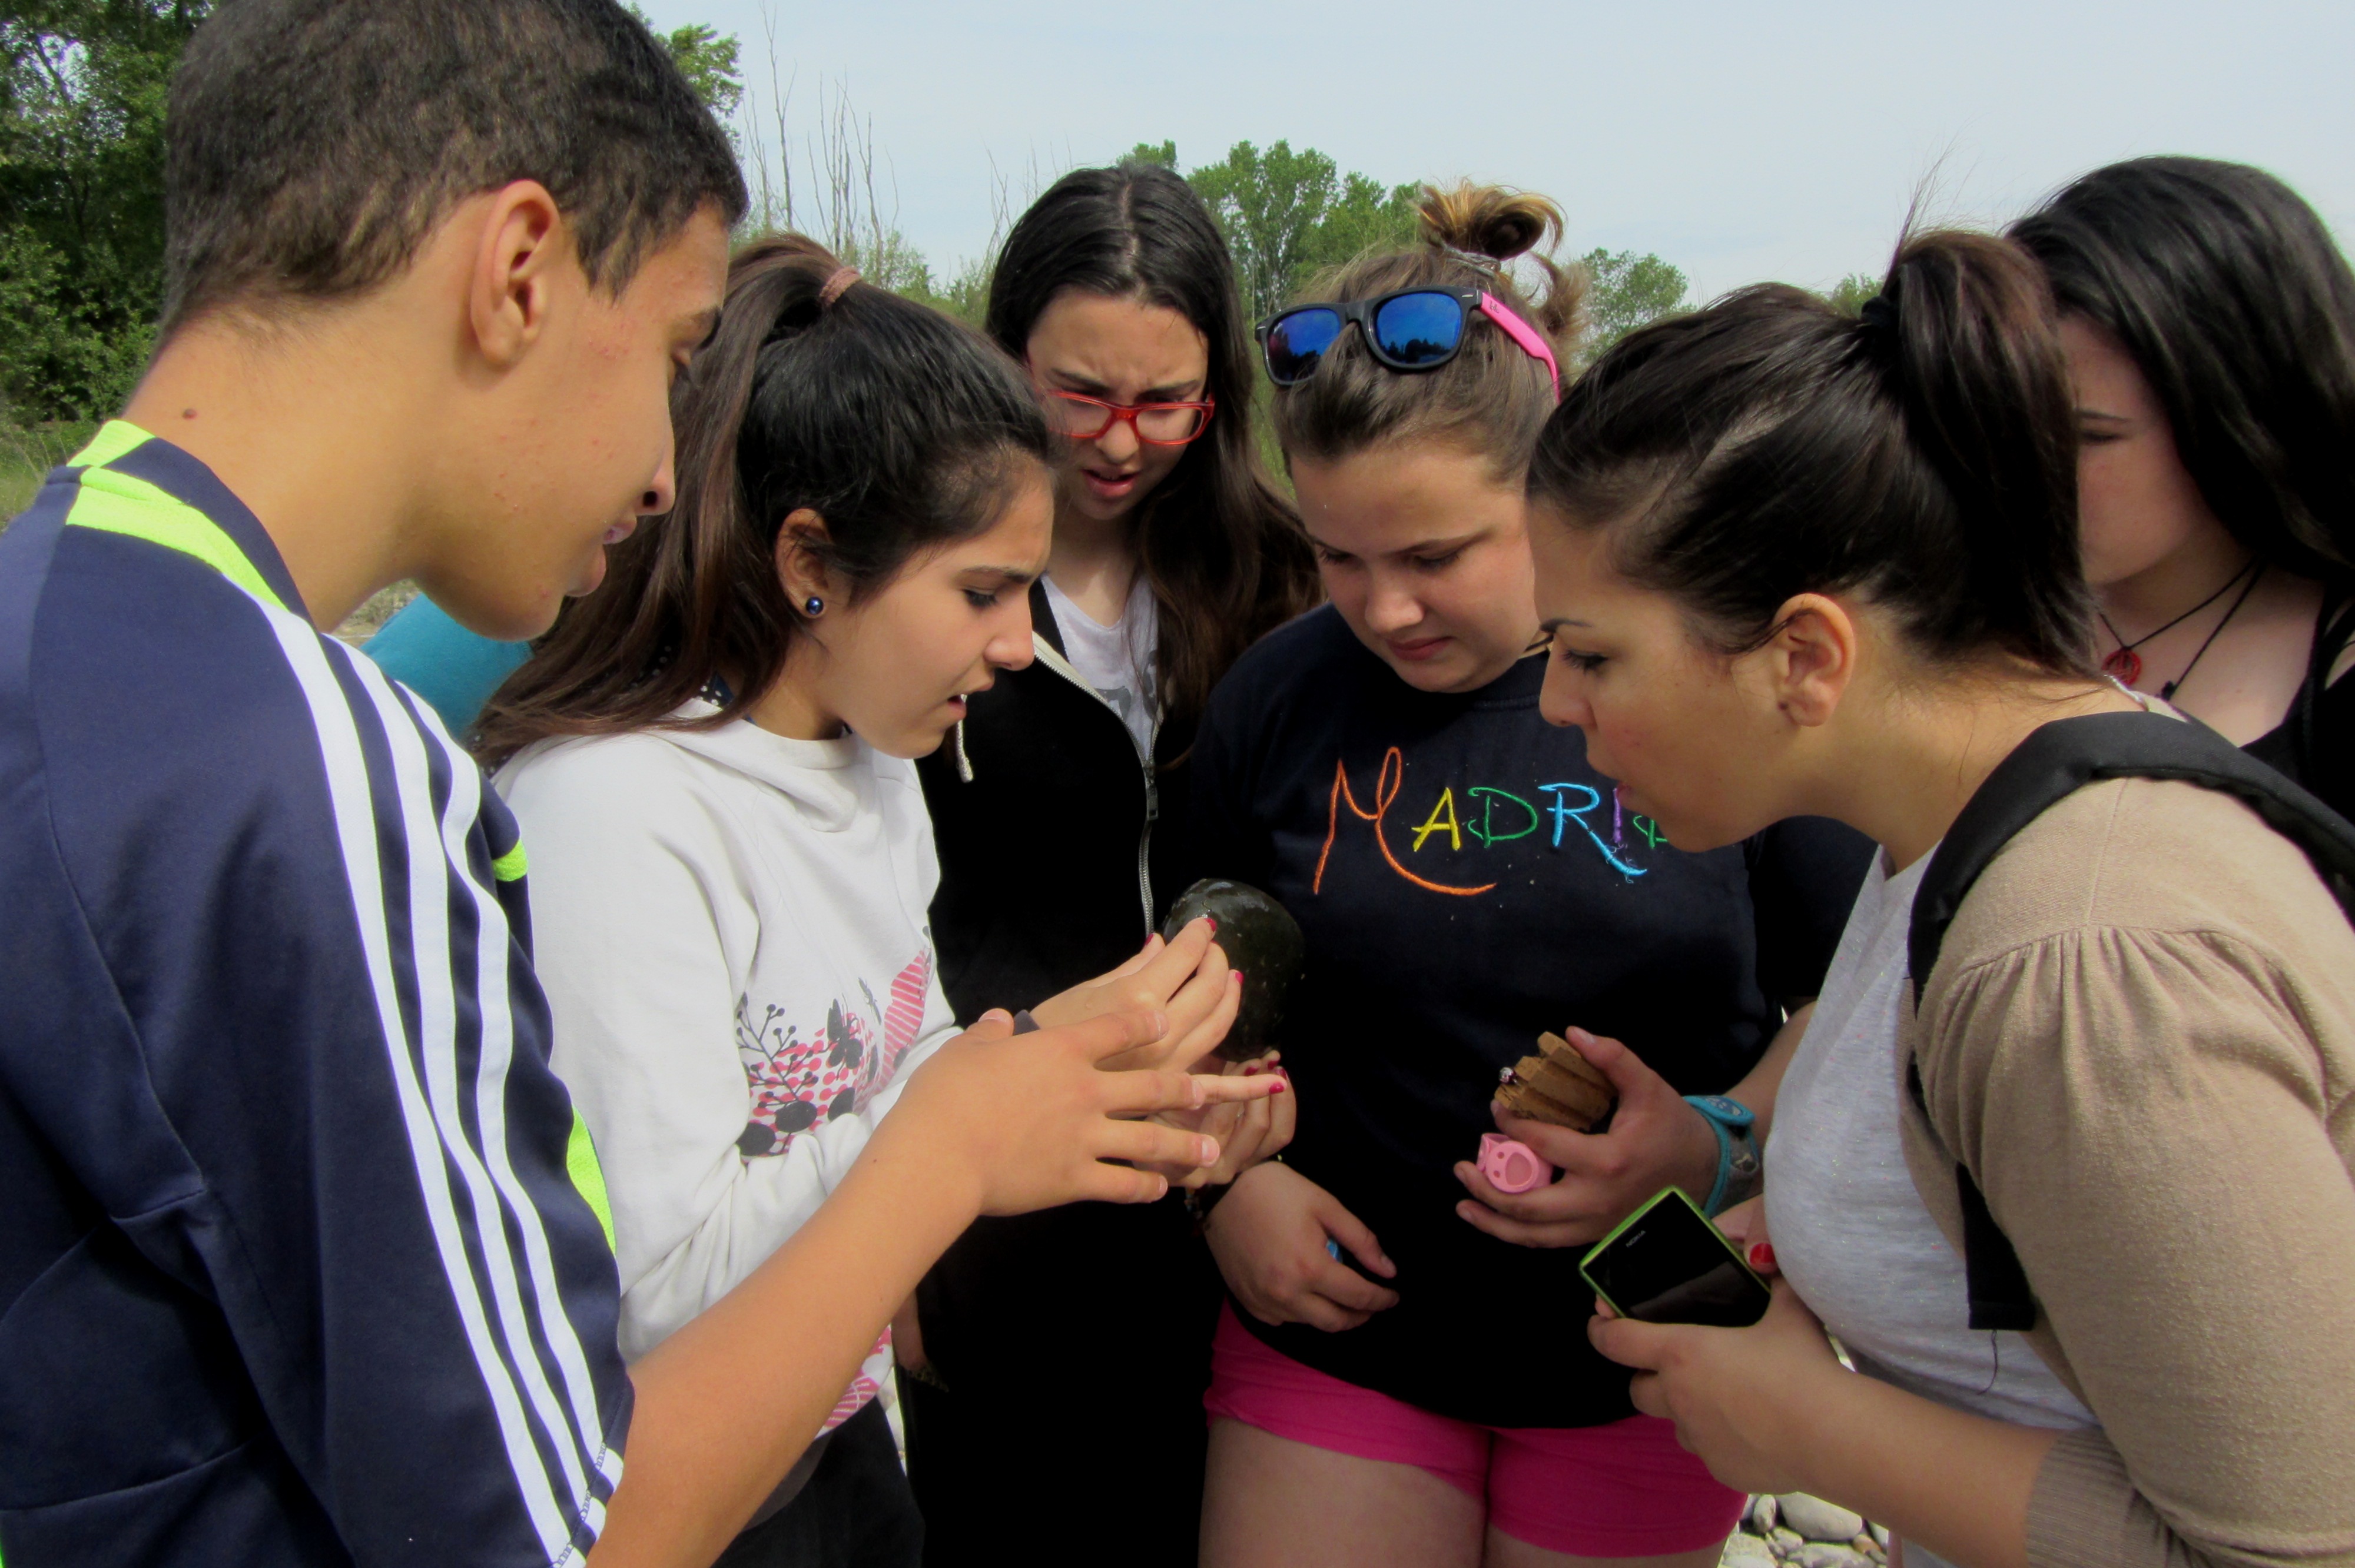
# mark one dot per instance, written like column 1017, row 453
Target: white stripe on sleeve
column 431, row 1141
column 490, row 958
column 442, row 972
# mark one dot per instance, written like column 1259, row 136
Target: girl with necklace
column 2209, row 320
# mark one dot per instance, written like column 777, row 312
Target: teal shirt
column 452, row 668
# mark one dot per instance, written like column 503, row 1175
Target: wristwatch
column 1740, row 1171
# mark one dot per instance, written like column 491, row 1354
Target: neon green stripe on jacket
column 118, row 503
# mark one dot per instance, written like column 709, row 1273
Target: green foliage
column 1364, row 217
column 965, row 296
column 1849, row 293
column 83, row 87
column 1287, row 215
column 707, row 59
column 891, row 262
column 1627, row 292
column 82, row 91
column 27, row 455
column 887, row 260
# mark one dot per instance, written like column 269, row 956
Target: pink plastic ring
column 1511, row 1166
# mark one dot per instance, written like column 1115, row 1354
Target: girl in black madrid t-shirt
column 1465, row 882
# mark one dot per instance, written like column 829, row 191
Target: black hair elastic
column 1881, row 312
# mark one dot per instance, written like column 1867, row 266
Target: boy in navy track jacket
column 305, row 1258
column 271, row 1009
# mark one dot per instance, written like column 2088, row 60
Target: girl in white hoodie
column 730, row 855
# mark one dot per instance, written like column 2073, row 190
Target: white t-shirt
column 1117, row 659
column 731, row 927
column 1850, row 1229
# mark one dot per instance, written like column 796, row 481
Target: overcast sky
column 1741, row 142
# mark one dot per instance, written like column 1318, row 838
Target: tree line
column 82, row 211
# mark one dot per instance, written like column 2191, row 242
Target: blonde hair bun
column 1494, row 397
column 1494, row 221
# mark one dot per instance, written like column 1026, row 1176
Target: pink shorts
column 1622, row 1490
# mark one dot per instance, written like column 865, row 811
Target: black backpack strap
column 2051, row 765
column 2334, row 628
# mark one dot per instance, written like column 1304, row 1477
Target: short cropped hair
column 312, row 145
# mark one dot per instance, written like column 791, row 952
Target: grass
column 380, row 606
column 27, row 455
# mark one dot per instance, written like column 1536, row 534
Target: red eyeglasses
column 1155, row 424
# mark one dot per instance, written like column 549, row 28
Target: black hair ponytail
column 902, row 429
column 1987, row 403
column 1921, row 454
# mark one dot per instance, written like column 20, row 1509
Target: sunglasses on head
column 1410, row 331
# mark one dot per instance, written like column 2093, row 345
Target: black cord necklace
column 2167, row 692
column 2126, row 664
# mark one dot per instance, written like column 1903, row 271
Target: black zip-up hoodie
column 1073, row 1344
column 1059, row 843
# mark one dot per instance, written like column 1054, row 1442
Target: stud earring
column 813, row 605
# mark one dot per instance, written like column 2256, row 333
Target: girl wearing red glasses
column 1053, row 1368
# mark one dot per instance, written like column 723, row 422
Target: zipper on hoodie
column 1063, row 666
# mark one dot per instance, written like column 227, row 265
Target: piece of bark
column 1557, row 1086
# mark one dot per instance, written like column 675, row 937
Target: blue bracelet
column 1737, row 1148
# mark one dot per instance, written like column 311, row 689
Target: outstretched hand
column 1248, row 1130
column 1187, row 980
column 1655, row 1140
column 1028, row 1122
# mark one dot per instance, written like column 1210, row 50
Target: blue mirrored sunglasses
column 1414, row 329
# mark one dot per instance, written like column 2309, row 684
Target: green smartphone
column 1666, row 1264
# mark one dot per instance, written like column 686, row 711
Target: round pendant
column 2126, row 664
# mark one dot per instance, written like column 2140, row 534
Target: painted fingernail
column 1213, row 919
column 1762, row 1257
column 1280, row 1086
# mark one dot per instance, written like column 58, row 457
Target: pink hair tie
column 835, row 286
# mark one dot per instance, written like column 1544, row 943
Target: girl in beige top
column 1797, row 562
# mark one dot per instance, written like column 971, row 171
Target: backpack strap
column 2334, row 628
column 2051, row 764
